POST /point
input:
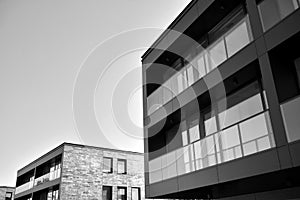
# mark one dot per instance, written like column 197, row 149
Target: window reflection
column 272, row 11
column 224, row 47
column 246, row 130
column 237, row 39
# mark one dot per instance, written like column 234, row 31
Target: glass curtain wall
column 273, row 11
column 242, row 129
column 223, row 42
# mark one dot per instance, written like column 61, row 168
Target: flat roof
column 78, row 145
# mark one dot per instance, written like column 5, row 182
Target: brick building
column 72, row 171
column 6, row 193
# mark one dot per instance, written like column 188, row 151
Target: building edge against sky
column 73, row 171
column 238, row 135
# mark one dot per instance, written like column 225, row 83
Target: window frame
column 119, row 188
column 111, row 165
column 139, row 192
column 110, row 189
column 125, row 165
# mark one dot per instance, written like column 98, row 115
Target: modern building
column 7, row 193
column 72, row 171
column 222, row 102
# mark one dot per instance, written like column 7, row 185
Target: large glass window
column 107, row 193
column 272, row 11
column 107, row 165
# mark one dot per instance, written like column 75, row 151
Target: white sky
column 43, row 43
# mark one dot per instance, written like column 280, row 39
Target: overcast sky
column 44, row 46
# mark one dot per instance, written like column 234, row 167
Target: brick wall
column 82, row 176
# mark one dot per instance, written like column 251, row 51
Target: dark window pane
column 122, row 193
column 107, row 193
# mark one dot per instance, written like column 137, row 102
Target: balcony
column 24, row 187
column 221, row 50
column 249, row 136
column 52, row 175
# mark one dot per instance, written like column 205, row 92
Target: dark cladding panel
column 256, row 164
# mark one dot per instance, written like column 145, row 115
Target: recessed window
column 122, row 168
column 8, row 196
column 122, row 193
column 107, row 193
column 107, row 165
column 135, row 193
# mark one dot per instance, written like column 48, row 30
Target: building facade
column 222, row 102
column 7, row 193
column 73, row 171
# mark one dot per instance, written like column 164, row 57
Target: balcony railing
column 207, row 60
column 24, row 187
column 52, row 175
column 244, row 138
column 42, row 179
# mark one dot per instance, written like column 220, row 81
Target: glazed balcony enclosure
column 223, row 47
column 43, row 173
column 221, row 118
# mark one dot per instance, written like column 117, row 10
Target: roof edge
column 170, row 27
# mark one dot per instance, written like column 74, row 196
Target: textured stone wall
column 82, row 176
column 3, row 191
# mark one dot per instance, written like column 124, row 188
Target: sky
column 55, row 80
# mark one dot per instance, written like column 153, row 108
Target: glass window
column 107, row 193
column 8, row 196
column 169, row 165
column 272, row 11
column 230, row 142
column 237, row 39
column 291, row 118
column 217, row 54
column 185, row 160
column 208, row 151
column 243, row 105
column 201, row 66
column 122, row 168
column 191, row 73
column 167, row 91
column 107, row 165
column 184, row 138
column 194, row 133
column 122, row 193
column 210, row 123
column 155, row 173
column 135, row 193
column 180, row 161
